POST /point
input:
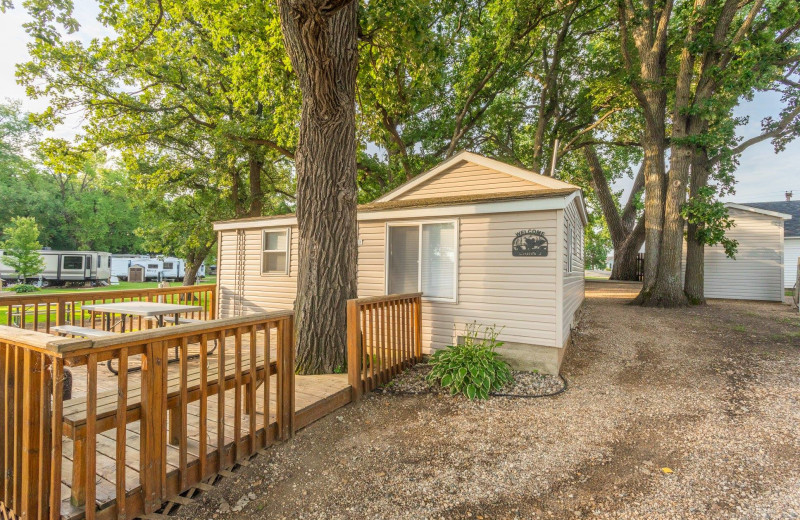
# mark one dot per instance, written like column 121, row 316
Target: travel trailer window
column 168, row 265
column 275, row 252
column 72, row 262
column 152, row 266
column 423, row 257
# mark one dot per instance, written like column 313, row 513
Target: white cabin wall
column 573, row 282
column 262, row 292
column 757, row 272
column 494, row 287
column 791, row 252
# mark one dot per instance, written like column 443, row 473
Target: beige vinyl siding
column 467, row 178
column 572, row 282
column 757, row 271
column 494, row 288
column 261, row 292
column 791, row 252
column 517, row 294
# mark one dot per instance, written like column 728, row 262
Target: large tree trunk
column 694, row 284
column 626, row 256
column 194, row 260
column 321, row 41
column 654, row 176
column 256, row 164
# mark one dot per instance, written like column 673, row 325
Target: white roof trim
column 784, row 216
column 480, row 160
column 513, row 206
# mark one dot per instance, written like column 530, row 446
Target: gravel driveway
column 689, row 413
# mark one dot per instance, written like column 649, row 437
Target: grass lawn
column 64, row 290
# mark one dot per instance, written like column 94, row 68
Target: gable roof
column 464, row 156
column 479, row 203
column 791, row 226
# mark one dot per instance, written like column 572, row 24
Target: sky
column 761, row 176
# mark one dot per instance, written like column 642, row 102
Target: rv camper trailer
column 61, row 267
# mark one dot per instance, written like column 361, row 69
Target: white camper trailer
column 121, row 263
column 61, row 267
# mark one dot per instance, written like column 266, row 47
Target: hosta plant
column 472, row 367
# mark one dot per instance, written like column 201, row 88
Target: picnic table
column 143, row 309
column 151, row 310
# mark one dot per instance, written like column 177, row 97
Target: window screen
column 423, row 258
column 275, row 256
column 73, row 262
column 438, row 260
column 169, row 265
column 403, row 259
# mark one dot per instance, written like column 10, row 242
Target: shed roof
column 791, row 227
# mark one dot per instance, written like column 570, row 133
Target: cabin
column 757, row 271
column 483, row 241
column 791, row 234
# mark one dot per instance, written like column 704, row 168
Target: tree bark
column 320, row 38
column 194, row 259
column 256, row 190
column 694, row 283
column 626, row 256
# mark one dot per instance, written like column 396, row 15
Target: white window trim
column 418, row 224
column 288, row 231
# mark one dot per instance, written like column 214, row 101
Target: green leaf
column 471, row 391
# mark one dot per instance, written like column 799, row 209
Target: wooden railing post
column 418, row 328
column 285, row 390
column 354, row 349
column 153, row 423
column 61, row 312
column 33, row 442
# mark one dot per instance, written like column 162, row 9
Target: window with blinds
column 422, row 257
column 275, row 252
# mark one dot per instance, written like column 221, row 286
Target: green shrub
column 24, row 288
column 472, row 368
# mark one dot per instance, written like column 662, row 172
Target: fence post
column 212, row 302
column 354, row 347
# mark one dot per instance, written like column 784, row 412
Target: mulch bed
column 525, row 384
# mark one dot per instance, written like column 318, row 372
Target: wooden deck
column 315, row 397
column 124, row 444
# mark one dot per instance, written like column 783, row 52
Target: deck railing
column 41, row 434
column 384, row 336
column 42, row 311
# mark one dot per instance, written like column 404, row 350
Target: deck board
column 315, row 396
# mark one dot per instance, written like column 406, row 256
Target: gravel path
column 669, row 414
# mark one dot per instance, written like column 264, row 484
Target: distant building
column 791, row 234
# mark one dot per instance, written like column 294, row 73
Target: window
column 72, row 262
column 169, row 265
column 152, row 266
column 422, row 257
column 275, row 252
column 109, row 261
column 88, row 262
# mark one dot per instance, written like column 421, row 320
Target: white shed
column 757, row 271
column 482, row 240
column 791, row 235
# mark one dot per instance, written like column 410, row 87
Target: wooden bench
column 83, row 332
column 75, row 409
